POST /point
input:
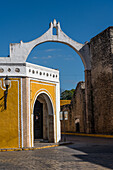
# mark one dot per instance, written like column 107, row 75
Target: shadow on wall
column 2, row 108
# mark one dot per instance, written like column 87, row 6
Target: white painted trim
column 29, row 113
column 21, row 113
column 38, row 93
column 45, row 92
column 52, row 84
column 58, row 111
column 18, row 115
column 32, row 116
column 29, row 70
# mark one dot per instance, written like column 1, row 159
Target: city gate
column 25, row 86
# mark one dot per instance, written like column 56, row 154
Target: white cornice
column 29, row 70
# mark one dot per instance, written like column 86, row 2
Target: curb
column 26, row 149
column 90, row 135
column 43, row 147
column 4, row 150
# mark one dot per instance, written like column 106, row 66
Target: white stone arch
column 20, row 51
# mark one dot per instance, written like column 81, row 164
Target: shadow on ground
column 97, row 151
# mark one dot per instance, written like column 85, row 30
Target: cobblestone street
column 85, row 153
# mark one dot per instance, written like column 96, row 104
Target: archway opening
column 77, row 125
column 43, row 119
column 66, row 60
column 62, row 57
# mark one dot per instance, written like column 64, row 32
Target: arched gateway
column 43, row 113
column 33, row 99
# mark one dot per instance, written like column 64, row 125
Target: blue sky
column 80, row 19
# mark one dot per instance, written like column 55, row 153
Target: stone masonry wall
column 69, row 124
column 99, row 90
column 76, row 110
column 101, row 48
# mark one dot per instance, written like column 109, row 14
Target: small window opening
column 54, row 31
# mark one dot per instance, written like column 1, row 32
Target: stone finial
column 21, row 42
column 54, row 23
column 50, row 25
column 58, row 24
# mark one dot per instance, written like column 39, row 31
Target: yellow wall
column 10, row 119
column 10, row 133
column 64, row 102
column 37, row 87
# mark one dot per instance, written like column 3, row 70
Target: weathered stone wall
column 93, row 107
column 68, row 125
column 79, row 105
column 76, row 110
column 101, row 48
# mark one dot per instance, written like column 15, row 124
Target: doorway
column 43, row 119
column 77, row 127
column 38, row 120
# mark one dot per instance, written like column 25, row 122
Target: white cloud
column 48, row 50
column 52, row 49
column 35, row 57
column 45, row 58
column 49, row 56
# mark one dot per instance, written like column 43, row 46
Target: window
column 54, row 31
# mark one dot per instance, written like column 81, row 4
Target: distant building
column 64, row 102
column 75, row 111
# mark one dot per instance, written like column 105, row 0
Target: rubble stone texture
column 102, row 80
column 94, row 105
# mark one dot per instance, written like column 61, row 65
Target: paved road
column 84, row 154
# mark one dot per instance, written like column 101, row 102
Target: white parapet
column 29, row 70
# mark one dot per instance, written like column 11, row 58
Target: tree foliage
column 67, row 94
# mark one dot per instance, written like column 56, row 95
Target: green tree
column 67, row 94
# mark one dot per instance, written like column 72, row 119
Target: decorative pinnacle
column 54, row 23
